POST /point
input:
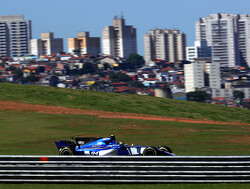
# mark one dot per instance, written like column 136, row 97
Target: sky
column 67, row 17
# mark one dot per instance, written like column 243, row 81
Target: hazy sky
column 66, row 17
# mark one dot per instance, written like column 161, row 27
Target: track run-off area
column 17, row 106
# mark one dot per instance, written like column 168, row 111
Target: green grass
column 30, row 133
column 27, row 133
column 93, row 100
column 35, row 133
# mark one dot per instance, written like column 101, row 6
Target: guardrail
column 124, row 169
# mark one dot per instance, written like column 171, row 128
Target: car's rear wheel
column 150, row 151
column 66, row 152
column 165, row 148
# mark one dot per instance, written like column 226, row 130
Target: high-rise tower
column 165, row 44
column 119, row 40
column 84, row 43
column 229, row 38
column 47, row 45
column 15, row 35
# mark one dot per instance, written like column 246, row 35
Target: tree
column 136, row 84
column 11, row 68
column 135, row 60
column 199, row 96
column 241, row 82
column 100, row 86
column 87, row 68
column 32, row 61
column 238, row 95
column 118, row 77
column 31, row 78
column 17, row 72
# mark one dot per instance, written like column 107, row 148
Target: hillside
column 92, row 100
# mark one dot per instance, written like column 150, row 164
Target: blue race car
column 107, row 147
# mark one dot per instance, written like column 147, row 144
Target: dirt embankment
column 16, row 106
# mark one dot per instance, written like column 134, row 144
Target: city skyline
column 65, row 18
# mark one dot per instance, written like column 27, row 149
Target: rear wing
column 65, row 143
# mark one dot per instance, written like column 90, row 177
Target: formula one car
column 107, row 147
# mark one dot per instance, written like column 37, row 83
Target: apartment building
column 15, row 35
column 202, row 73
column 84, row 44
column 47, row 45
column 229, row 38
column 165, row 44
column 228, row 92
column 200, row 49
column 119, row 40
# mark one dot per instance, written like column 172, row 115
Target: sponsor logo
column 99, row 146
column 94, row 153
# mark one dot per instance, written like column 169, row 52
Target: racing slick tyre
column 165, row 148
column 150, row 151
column 66, row 152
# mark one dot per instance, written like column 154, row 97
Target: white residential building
column 213, row 71
column 192, row 53
column 202, row 73
column 200, row 49
column 47, row 45
column 119, row 40
column 15, row 35
column 36, row 46
column 229, row 38
column 194, row 76
column 164, row 44
column 228, row 92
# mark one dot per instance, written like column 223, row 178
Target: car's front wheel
column 66, row 152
